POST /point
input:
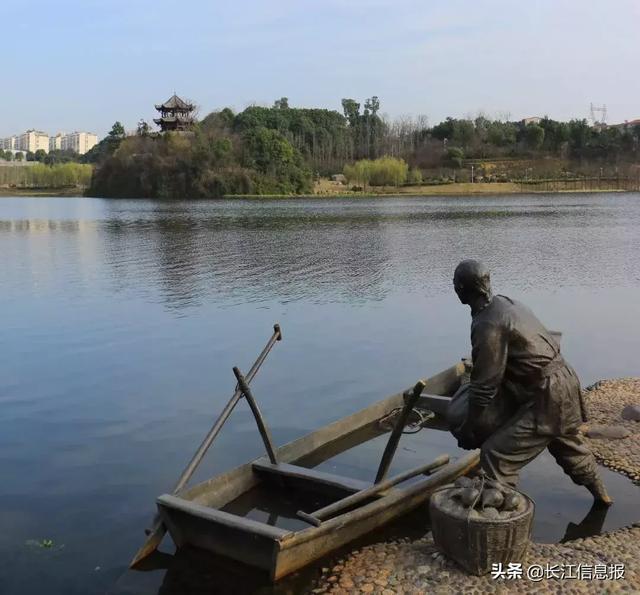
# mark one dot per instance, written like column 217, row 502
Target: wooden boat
column 206, row 515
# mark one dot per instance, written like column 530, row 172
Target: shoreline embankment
column 461, row 190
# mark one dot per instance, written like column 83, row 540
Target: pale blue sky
column 82, row 64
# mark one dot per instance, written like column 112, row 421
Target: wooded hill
column 281, row 150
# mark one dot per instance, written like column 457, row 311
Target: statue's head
column 472, row 282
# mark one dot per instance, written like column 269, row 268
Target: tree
column 415, row 176
column 454, row 157
column 322, row 136
column 579, row 137
column 444, row 130
column 8, row 156
column 19, row 156
column 272, row 155
column 268, row 150
column 385, row 171
column 371, row 106
column 60, row 156
column 367, row 130
column 282, row 103
column 351, row 109
column 143, row 128
column 218, row 122
column 30, row 156
column 2, row 154
column 463, row 132
column 227, row 117
column 107, row 146
column 359, row 172
column 117, row 130
column 534, row 136
column 482, row 125
column 40, row 155
column 556, row 134
column 501, row 134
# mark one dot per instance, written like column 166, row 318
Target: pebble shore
column 604, row 401
column 415, row 566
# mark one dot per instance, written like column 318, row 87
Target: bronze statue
column 523, row 396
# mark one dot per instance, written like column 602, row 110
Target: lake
column 122, row 320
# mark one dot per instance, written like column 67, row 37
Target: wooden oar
column 394, row 439
column 157, row 531
column 322, row 514
column 262, row 427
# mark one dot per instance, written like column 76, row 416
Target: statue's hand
column 466, row 437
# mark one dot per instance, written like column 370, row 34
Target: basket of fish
column 478, row 522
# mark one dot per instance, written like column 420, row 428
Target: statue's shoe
column 599, row 493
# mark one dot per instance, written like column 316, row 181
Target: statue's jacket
column 517, row 363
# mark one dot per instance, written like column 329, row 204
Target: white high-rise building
column 80, row 142
column 55, row 142
column 33, row 140
column 9, row 144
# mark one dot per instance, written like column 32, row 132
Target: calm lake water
column 122, row 321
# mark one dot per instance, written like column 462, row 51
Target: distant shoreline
column 31, row 192
column 434, row 190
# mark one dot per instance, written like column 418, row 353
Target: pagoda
column 175, row 115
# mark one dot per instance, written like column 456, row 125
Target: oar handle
column 394, row 439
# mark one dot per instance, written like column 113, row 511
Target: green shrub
column 415, row 176
column 39, row 175
column 385, row 171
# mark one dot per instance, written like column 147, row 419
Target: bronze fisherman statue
column 523, row 396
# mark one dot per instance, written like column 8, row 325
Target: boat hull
column 195, row 517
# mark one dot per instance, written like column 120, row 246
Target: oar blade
column 150, row 545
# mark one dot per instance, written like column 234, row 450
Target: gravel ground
column 416, row 566
column 605, row 400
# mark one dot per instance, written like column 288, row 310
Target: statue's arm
column 489, row 343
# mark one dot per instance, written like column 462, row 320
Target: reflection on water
column 194, row 572
column 122, row 320
column 591, row 524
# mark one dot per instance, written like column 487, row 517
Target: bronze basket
column 476, row 544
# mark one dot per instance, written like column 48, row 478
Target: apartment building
column 9, row 144
column 80, row 142
column 55, row 142
column 33, row 140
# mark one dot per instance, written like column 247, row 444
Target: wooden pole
column 157, row 531
column 394, row 439
column 262, row 427
column 316, row 517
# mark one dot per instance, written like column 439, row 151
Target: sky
column 83, row 64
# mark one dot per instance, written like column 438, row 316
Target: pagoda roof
column 174, row 102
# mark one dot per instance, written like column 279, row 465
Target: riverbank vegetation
column 39, row 175
column 384, row 171
column 220, row 156
column 288, row 150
